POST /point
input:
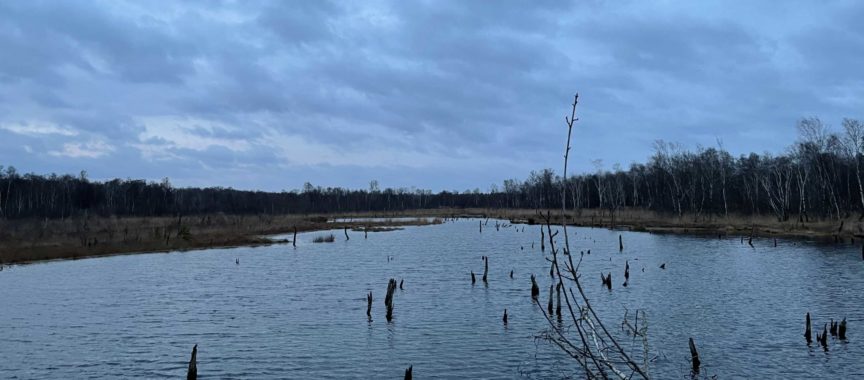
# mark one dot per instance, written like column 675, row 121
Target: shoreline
column 32, row 241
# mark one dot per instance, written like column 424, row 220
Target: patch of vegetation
column 324, row 239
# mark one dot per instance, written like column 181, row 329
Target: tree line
column 819, row 177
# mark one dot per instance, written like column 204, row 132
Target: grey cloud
column 487, row 83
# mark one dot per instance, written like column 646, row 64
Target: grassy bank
column 649, row 221
column 36, row 240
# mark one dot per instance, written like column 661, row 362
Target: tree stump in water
column 485, row 268
column 549, row 307
column 409, row 372
column 388, row 299
column 558, row 307
column 535, row 290
column 807, row 333
column 620, row 243
column 542, row 238
column 694, row 356
column 823, row 338
column 192, row 371
column 369, row 305
column 842, row 330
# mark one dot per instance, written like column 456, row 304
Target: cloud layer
column 433, row 94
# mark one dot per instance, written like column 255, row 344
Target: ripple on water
column 300, row 313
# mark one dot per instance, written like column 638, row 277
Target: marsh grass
column 324, row 239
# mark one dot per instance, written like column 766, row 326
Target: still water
column 286, row 312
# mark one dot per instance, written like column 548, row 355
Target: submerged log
column 807, row 333
column 192, row 371
column 694, row 356
column 409, row 373
column 842, row 330
column 535, row 290
column 663, row 266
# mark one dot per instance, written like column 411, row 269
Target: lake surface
column 287, row 312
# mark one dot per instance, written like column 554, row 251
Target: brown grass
column 34, row 240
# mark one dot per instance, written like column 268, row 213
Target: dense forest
column 818, row 177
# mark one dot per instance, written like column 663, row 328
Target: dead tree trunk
column 369, row 305
column 807, row 332
column 535, row 290
column 388, row 299
column 485, row 268
column 192, row 371
column 694, row 356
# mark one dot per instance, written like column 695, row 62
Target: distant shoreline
column 27, row 241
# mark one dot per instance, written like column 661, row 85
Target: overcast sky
column 432, row 94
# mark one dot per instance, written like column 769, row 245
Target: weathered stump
column 694, row 356
column 558, row 307
column 535, row 290
column 485, row 268
column 369, row 305
column 388, row 299
column 807, row 333
column 192, row 371
column 842, row 330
